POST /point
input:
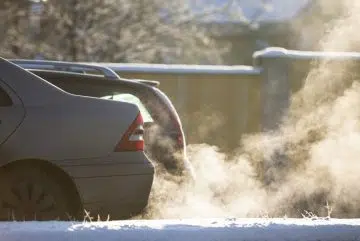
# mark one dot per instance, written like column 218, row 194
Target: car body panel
column 70, row 129
column 117, row 196
column 32, row 90
column 127, row 184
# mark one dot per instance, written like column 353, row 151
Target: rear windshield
column 129, row 98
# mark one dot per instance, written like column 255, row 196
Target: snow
column 193, row 229
column 276, row 52
column 185, row 69
column 270, row 52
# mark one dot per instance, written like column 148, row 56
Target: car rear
column 97, row 143
column 165, row 140
column 118, row 181
column 104, row 143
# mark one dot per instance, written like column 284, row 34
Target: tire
column 29, row 193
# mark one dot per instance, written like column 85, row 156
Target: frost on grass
column 309, row 165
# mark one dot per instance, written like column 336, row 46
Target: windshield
column 134, row 100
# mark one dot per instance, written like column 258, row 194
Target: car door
column 12, row 112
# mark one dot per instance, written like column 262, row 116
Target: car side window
column 5, row 99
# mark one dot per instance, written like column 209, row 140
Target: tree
column 13, row 13
column 152, row 31
column 126, row 31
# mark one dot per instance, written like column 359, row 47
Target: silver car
column 61, row 153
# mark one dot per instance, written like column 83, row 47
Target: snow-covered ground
column 197, row 229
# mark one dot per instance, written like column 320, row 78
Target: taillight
column 133, row 139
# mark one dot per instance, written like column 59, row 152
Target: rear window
column 129, row 98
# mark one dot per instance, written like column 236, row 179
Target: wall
column 216, row 108
column 219, row 104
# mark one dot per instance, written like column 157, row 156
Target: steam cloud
column 310, row 163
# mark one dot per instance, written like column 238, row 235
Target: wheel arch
column 57, row 172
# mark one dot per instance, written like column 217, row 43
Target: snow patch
column 194, row 229
column 184, row 69
column 277, row 52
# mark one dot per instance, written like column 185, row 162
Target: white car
column 61, row 153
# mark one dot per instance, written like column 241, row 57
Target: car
column 165, row 140
column 61, row 153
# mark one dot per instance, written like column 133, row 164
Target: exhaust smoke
column 311, row 163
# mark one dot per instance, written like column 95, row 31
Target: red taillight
column 133, row 139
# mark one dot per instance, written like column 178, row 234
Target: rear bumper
column 118, row 186
column 119, row 197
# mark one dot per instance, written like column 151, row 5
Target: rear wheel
column 28, row 193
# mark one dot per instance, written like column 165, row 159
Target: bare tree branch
column 112, row 30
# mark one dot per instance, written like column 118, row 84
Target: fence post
column 276, row 87
column 275, row 96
